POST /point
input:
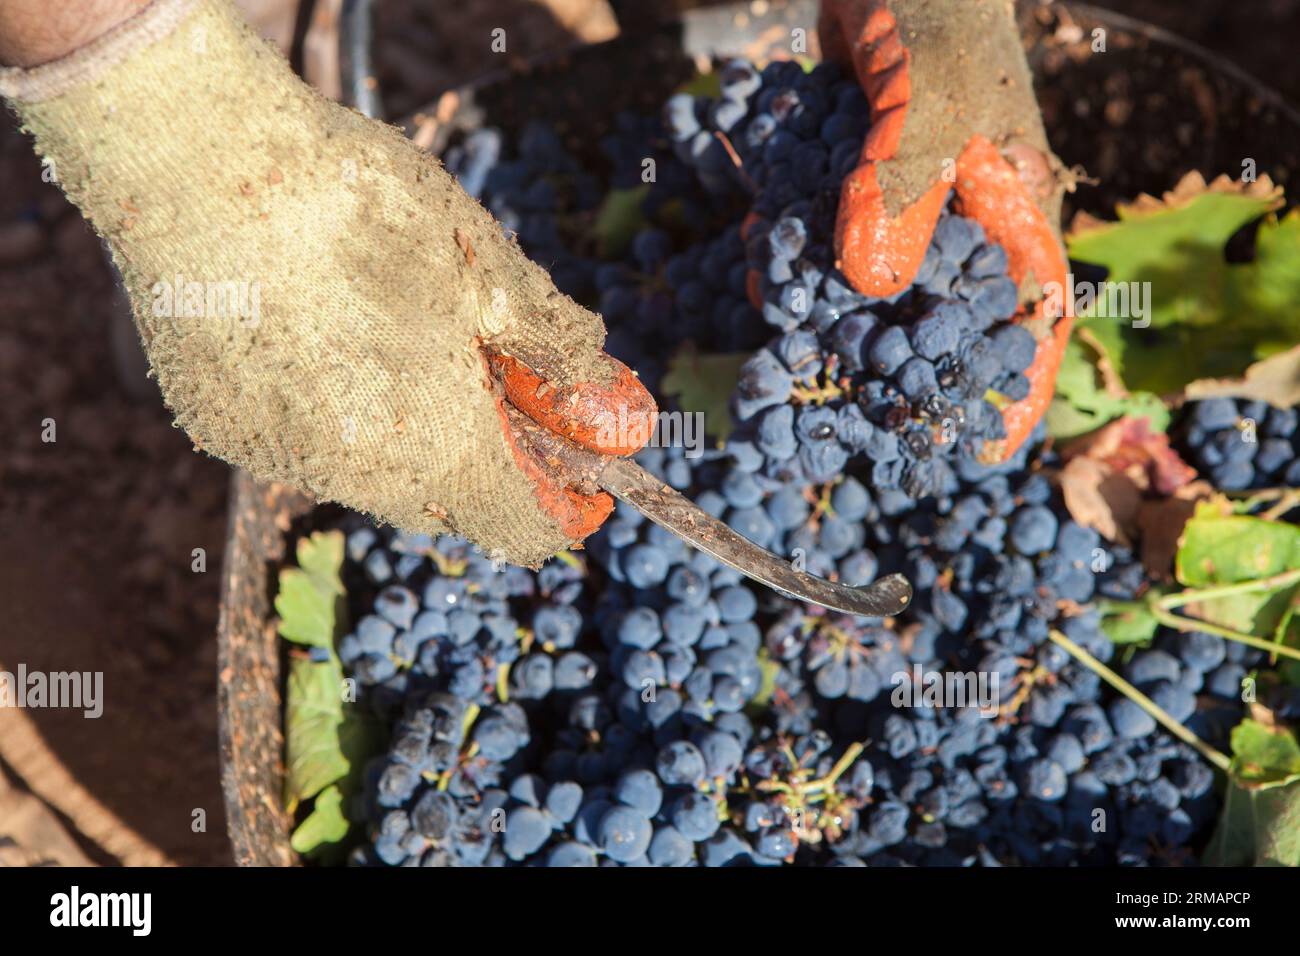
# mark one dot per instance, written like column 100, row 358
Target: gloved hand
column 317, row 296
column 952, row 108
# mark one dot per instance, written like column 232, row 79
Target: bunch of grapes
column 1242, row 445
column 913, row 387
column 536, row 196
column 437, row 614
column 643, row 705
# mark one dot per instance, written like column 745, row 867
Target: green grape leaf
column 1288, row 632
column 308, row 602
column 1177, row 247
column 313, row 717
column 1269, row 285
column 1202, row 317
column 1276, row 813
column 306, row 615
column 1260, row 822
column 704, row 383
column 320, row 555
column 1233, row 841
column 326, row 743
column 1264, row 755
column 1127, row 622
column 1083, row 405
column 325, row 826
column 1065, row 421
column 1219, row 548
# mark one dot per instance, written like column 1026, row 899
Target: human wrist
column 35, row 32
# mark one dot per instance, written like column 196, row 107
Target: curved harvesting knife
column 628, row 481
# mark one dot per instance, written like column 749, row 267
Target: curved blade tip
column 899, row 587
column 884, row 597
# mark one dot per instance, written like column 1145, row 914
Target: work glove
column 952, row 109
column 320, row 301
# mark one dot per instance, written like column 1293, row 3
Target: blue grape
column 680, row 764
column 640, row 790
column 669, row 847
column 624, row 833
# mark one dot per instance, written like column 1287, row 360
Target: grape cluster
column 643, row 704
column 913, row 383
column 913, row 387
column 1241, row 445
column 697, row 295
column 436, row 614
column 701, row 738
column 535, row 196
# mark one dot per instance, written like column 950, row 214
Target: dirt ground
column 98, row 528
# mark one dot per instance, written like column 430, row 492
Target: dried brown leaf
column 1193, row 184
column 1110, row 379
column 1126, row 481
column 1161, row 522
column 1098, row 497
column 1275, row 380
column 1129, row 446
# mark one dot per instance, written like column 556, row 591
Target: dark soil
column 98, row 528
column 423, row 48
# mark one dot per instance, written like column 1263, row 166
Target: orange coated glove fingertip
column 614, row 419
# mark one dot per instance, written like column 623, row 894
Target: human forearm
column 33, row 32
column 313, row 290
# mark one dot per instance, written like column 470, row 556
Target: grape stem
column 571, row 559
column 1169, row 619
column 1162, row 610
column 816, row 395
column 1283, row 506
column 735, row 160
column 1187, row 596
column 811, row 791
column 1216, row 757
column 1285, row 498
column 837, row 771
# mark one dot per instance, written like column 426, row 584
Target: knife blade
column 662, row 504
column 586, row 471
